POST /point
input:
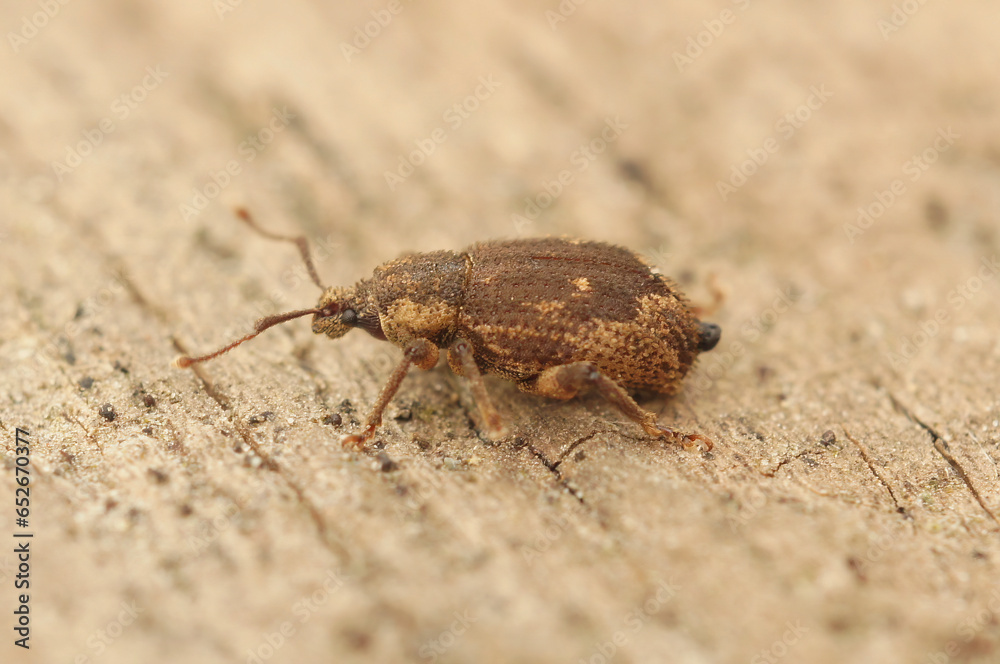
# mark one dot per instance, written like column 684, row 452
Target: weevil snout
column 708, row 336
column 336, row 316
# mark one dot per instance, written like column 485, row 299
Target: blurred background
column 833, row 167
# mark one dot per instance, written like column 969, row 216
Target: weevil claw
column 692, row 437
column 688, row 440
column 356, row 440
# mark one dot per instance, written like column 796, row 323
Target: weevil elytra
column 555, row 316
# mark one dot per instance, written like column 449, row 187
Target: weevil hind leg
column 567, row 380
column 421, row 353
column 460, row 356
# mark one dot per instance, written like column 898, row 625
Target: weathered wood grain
column 218, row 508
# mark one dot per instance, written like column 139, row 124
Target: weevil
column 555, row 316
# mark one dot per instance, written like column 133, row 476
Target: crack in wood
column 90, row 436
column 270, row 464
column 325, row 536
column 942, row 448
column 987, row 454
column 788, row 460
column 871, row 466
column 554, row 469
column 573, row 446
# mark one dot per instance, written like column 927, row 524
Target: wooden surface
column 218, row 519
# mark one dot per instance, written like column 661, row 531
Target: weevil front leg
column 567, row 380
column 460, row 356
column 420, row 352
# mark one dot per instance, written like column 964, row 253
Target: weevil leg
column 567, row 380
column 460, row 356
column 420, row 352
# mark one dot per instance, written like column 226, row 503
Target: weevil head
column 343, row 309
column 708, row 336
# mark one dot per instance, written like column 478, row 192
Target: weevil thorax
column 419, row 296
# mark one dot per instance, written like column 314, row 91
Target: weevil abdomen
column 538, row 303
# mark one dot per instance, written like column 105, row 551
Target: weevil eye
column 329, row 311
column 349, row 317
column 708, row 336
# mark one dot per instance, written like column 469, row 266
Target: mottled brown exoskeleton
column 555, row 316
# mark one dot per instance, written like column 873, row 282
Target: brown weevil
column 555, row 316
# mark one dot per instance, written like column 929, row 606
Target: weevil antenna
column 185, row 361
column 299, row 241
